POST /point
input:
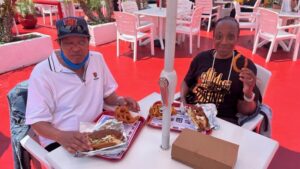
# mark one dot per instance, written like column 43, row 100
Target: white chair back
column 126, row 23
column 256, row 5
column 268, row 21
column 237, row 7
column 36, row 150
column 263, row 77
column 129, row 6
column 206, row 5
column 196, row 19
column 184, row 8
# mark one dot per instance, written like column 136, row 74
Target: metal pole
column 168, row 77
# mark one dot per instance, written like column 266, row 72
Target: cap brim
column 73, row 34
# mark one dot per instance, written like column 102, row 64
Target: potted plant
column 27, row 13
column 6, row 21
column 19, row 51
column 101, row 24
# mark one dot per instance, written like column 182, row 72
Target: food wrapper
column 181, row 119
column 210, row 111
column 103, row 125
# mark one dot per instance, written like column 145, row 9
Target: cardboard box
column 203, row 151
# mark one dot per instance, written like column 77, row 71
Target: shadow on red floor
column 285, row 159
column 5, row 141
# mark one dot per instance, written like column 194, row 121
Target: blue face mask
column 72, row 65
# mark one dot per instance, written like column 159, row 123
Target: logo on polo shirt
column 95, row 76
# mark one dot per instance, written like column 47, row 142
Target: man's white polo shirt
column 59, row 96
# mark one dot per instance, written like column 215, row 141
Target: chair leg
column 191, row 43
column 209, row 23
column 44, row 20
column 134, row 50
column 152, row 45
column 178, row 41
column 255, row 44
column 270, row 51
column 51, row 19
column 198, row 41
column 296, row 49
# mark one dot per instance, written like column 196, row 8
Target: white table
column 160, row 13
column 255, row 151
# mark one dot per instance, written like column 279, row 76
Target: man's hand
column 249, row 80
column 131, row 103
column 74, row 141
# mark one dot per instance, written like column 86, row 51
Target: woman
column 222, row 75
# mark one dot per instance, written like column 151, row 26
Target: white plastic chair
column 49, row 9
column 254, row 8
column 208, row 10
column 262, row 82
column 128, row 30
column 184, row 10
column 36, row 150
column 248, row 21
column 191, row 28
column 131, row 7
column 297, row 45
column 263, row 77
column 270, row 30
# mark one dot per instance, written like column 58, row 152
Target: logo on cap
column 70, row 22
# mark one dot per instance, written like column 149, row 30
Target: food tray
column 179, row 121
column 132, row 131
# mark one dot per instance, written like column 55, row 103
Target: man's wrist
column 250, row 98
column 121, row 101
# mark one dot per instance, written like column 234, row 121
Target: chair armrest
column 289, row 26
column 182, row 22
column 216, row 7
column 253, row 123
column 247, row 6
column 36, row 150
column 150, row 25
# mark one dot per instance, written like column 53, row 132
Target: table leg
column 160, row 20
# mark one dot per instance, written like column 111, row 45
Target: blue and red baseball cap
column 72, row 26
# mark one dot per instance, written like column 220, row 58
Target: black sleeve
column 191, row 76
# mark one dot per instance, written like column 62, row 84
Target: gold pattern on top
column 210, row 87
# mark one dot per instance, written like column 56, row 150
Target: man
column 70, row 87
column 222, row 75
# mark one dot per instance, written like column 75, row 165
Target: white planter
column 23, row 53
column 103, row 33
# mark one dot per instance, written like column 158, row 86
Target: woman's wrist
column 249, row 97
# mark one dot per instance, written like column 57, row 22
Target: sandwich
column 198, row 117
column 105, row 138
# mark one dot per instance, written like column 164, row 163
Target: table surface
column 255, row 151
column 286, row 14
column 153, row 11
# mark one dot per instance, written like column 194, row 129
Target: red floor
column 140, row 78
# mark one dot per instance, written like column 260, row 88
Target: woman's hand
column 249, row 80
column 74, row 141
column 131, row 103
